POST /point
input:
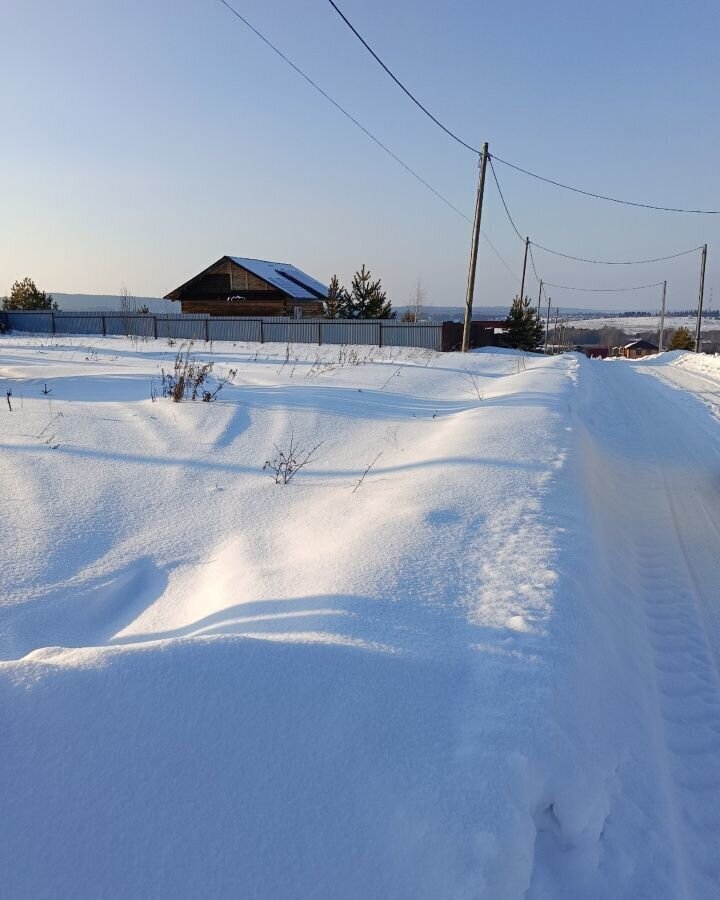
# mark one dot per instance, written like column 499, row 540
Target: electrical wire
column 532, row 263
column 615, row 262
column 327, row 96
column 566, row 287
column 567, row 187
column 362, row 128
column 600, row 262
column 398, row 82
column 497, row 184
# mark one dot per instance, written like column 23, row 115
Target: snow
column 631, row 324
column 284, row 276
column 696, row 373
column 488, row 671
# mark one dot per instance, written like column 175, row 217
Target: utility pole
column 703, row 260
column 662, row 318
column 539, row 319
column 547, row 325
column 474, row 250
column 522, row 280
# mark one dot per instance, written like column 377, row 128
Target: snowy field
column 489, row 669
column 632, row 324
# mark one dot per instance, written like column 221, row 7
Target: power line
column 639, row 287
column 602, row 262
column 327, row 96
column 362, row 128
column 497, row 184
column 532, row 262
column 398, row 82
column 567, row 187
column 495, row 251
column 615, row 262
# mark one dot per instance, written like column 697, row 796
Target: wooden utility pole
column 703, row 260
column 662, row 318
column 522, row 280
column 539, row 319
column 547, row 324
column 474, row 250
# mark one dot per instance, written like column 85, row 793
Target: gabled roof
column 285, row 277
column 640, row 345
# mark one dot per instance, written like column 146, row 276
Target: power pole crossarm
column 474, row 250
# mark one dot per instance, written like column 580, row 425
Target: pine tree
column 524, row 325
column 681, row 340
column 25, row 295
column 367, row 298
column 336, row 305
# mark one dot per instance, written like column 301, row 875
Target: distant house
column 236, row 286
column 593, row 352
column 637, row 349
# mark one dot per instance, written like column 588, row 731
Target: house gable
column 247, row 287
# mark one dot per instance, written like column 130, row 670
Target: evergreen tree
column 336, row 305
column 367, row 298
column 524, row 325
column 681, row 340
column 25, row 295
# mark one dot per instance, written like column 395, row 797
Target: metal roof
column 285, row 277
column 640, row 345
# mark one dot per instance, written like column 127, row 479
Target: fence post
column 104, row 326
column 207, row 330
column 155, row 327
column 381, row 328
column 262, row 340
column 319, row 333
column 52, row 319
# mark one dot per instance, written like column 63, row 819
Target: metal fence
column 376, row 332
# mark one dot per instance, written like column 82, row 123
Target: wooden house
column 236, row 286
column 638, row 349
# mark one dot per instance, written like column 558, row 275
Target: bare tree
column 417, row 299
column 128, row 310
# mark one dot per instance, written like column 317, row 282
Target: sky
column 144, row 140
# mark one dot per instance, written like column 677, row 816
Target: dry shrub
column 189, row 378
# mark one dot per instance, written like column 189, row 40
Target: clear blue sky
column 143, row 140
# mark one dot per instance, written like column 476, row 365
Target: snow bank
column 414, row 688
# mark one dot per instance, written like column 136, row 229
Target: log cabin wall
column 257, row 307
column 210, row 294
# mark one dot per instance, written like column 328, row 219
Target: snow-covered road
column 651, row 457
column 491, row 671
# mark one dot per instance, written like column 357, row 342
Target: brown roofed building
column 638, row 349
column 238, row 286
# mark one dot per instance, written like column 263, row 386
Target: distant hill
column 109, row 303
column 457, row 313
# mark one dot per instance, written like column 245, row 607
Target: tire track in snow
column 663, row 513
